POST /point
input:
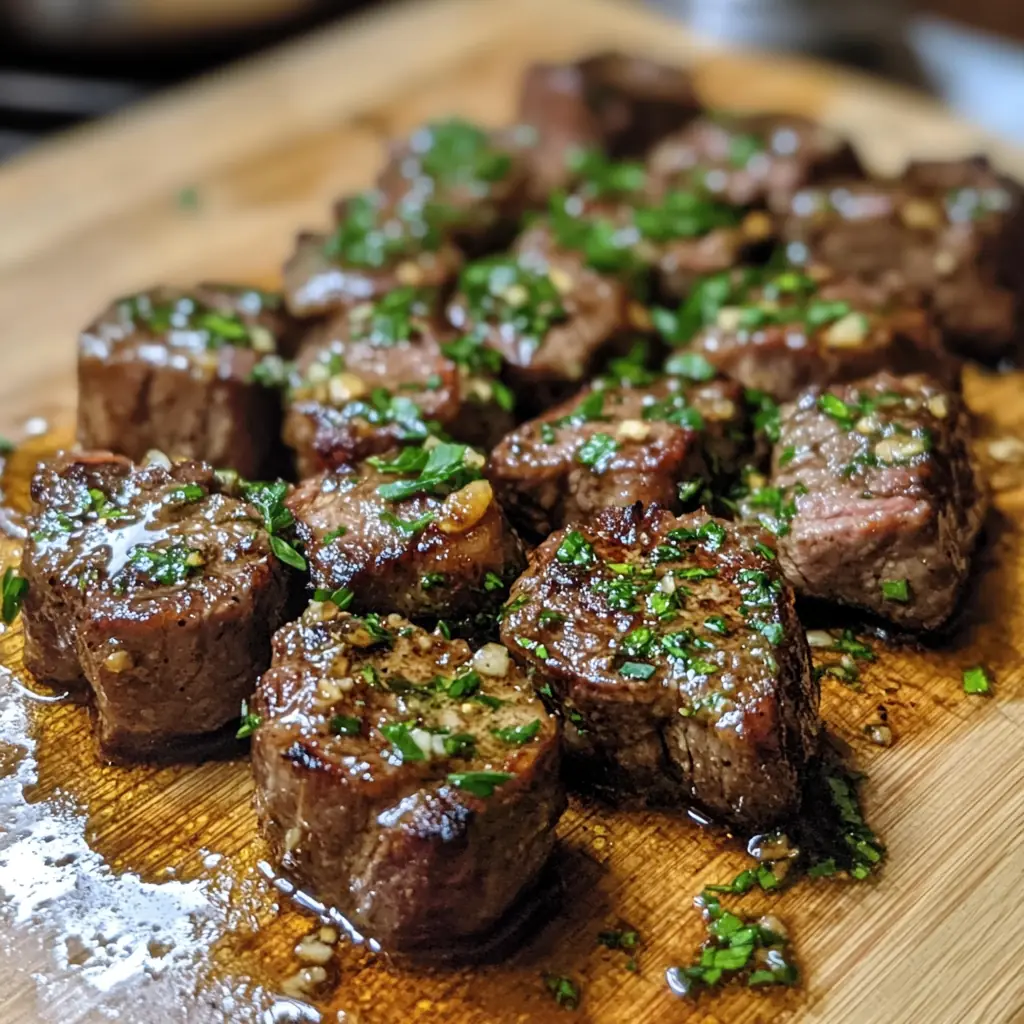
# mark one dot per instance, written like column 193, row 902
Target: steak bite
column 672, row 649
column 156, row 588
column 417, row 532
column 751, row 160
column 368, row 378
column 621, row 226
column 781, row 331
column 880, row 505
column 613, row 445
column 188, row 373
column 612, row 101
column 952, row 231
column 375, row 247
column 477, row 179
column 547, row 317
column 402, row 779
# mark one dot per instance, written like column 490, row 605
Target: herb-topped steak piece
column 953, row 231
column 158, row 589
column 188, row 373
column 615, row 445
column 880, row 502
column 402, row 779
column 476, row 179
column 612, row 101
column 755, row 160
column 375, row 247
column 781, row 331
column 673, row 651
column 620, row 225
column 546, row 317
column 368, row 378
column 418, row 532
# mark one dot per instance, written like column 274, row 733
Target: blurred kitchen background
column 65, row 61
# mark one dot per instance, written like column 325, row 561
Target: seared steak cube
column 953, row 231
column 875, row 498
column 375, row 247
column 368, row 378
column 156, row 588
column 476, row 178
column 781, row 331
column 187, row 373
column 751, row 160
column 616, row 445
column 672, row 648
column 615, row 220
column 611, row 101
column 403, row 780
column 547, row 317
column 417, row 532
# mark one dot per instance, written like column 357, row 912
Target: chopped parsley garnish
column 14, row 589
column 596, row 452
column 563, row 990
column 249, row 722
column 460, row 744
column 391, row 319
column 455, row 151
column 691, row 365
column 168, row 566
column 482, row 784
column 341, row 598
column 407, row 526
column 192, row 319
column 368, row 235
column 103, row 507
column 549, row 618
column 268, row 500
column 896, row 590
column 512, row 606
column 492, row 581
column 440, row 470
column 601, row 177
column 717, row 624
column 187, row 494
column 627, row 939
column 736, row 948
column 575, row 549
column 636, row 670
column 345, row 725
column 520, row 297
column 976, row 680
column 430, row 580
column 397, row 733
column 333, row 535
column 517, row 735
column 535, row 646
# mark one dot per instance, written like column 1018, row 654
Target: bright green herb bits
column 896, row 590
column 976, row 680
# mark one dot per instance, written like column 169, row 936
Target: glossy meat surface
column 615, row 445
column 952, row 232
column 156, row 588
column 402, row 779
column 188, row 373
column 374, row 248
column 442, row 548
column 781, row 331
column 672, row 649
column 879, row 498
column 751, row 160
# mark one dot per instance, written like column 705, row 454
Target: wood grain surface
column 135, row 895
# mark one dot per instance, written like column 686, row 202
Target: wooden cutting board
column 135, row 895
